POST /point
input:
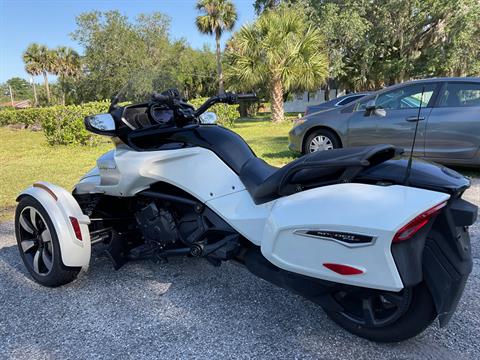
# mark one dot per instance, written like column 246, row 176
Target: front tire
column 366, row 315
column 38, row 244
column 320, row 140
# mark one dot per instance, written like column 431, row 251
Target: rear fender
column 60, row 206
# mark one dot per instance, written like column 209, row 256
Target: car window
column 406, row 97
column 349, row 100
column 460, row 95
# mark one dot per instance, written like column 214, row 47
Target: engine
column 157, row 225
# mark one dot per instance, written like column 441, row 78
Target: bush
column 62, row 125
column 227, row 114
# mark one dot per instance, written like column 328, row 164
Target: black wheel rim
column 372, row 308
column 35, row 241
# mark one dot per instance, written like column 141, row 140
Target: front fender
column 60, row 206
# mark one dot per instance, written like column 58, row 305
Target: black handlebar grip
column 251, row 96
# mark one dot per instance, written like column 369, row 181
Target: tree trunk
column 35, row 98
column 277, row 99
column 219, row 65
column 47, row 89
column 327, row 91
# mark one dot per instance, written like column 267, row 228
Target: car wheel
column 38, row 244
column 384, row 316
column 320, row 140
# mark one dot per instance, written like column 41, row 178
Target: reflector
column 76, row 227
column 343, row 269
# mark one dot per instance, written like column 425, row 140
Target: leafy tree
column 217, row 16
column 139, row 56
column 280, row 49
column 39, row 59
column 262, row 5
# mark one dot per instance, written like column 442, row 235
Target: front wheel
column 320, row 140
column 384, row 316
column 38, row 245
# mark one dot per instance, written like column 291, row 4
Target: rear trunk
column 441, row 254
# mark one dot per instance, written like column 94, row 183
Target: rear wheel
column 38, row 245
column 321, row 139
column 384, row 316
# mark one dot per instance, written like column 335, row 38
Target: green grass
column 25, row 157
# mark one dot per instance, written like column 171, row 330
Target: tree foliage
column 281, row 49
column 139, row 54
column 373, row 43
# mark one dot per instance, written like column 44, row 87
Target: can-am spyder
column 384, row 255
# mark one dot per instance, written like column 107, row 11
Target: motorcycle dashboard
column 142, row 116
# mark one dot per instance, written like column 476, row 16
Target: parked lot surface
column 189, row 309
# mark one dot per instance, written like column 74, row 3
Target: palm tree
column 218, row 16
column 66, row 65
column 39, row 60
column 280, row 50
column 32, row 66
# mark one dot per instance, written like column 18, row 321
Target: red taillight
column 407, row 231
column 76, row 228
column 343, row 269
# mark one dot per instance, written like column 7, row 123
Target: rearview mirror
column 102, row 124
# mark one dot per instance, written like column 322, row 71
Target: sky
column 50, row 22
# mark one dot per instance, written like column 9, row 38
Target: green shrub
column 62, row 125
column 227, row 114
column 25, row 117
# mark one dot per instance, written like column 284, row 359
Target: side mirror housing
column 102, row 124
column 372, row 108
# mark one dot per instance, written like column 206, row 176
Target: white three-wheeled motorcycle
column 380, row 243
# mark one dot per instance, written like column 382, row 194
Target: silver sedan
column 448, row 130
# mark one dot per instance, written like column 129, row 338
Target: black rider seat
column 265, row 182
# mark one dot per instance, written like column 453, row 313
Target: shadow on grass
column 281, row 155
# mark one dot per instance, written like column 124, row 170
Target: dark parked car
column 339, row 101
column 449, row 132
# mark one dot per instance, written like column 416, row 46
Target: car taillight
column 76, row 227
column 407, row 231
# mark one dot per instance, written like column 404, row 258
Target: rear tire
column 321, row 139
column 417, row 315
column 38, row 244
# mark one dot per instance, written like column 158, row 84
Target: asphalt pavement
column 188, row 309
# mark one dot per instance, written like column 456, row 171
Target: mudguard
column 60, row 206
column 345, row 224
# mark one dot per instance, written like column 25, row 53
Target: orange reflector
column 343, row 269
column 44, row 187
column 76, row 227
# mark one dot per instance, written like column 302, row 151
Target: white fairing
column 376, row 211
column 75, row 253
column 198, row 171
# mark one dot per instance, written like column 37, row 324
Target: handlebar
column 174, row 100
column 227, row 98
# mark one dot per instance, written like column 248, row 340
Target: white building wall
column 301, row 101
